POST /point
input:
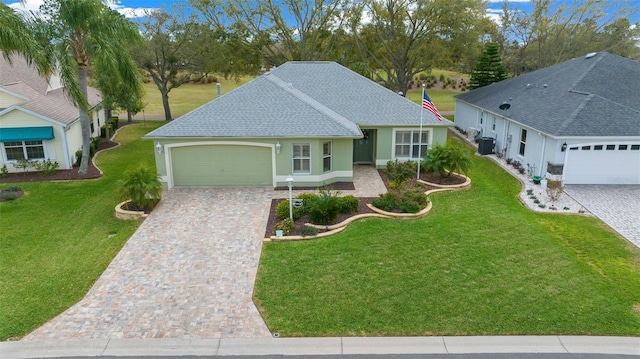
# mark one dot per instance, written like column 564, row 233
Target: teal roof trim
column 26, row 134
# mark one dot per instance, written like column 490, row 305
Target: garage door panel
column 602, row 166
column 221, row 165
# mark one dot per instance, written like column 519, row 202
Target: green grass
column 186, row 97
column 442, row 99
column 478, row 264
column 58, row 238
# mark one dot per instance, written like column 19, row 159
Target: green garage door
column 221, row 165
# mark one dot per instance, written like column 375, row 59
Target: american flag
column 429, row 106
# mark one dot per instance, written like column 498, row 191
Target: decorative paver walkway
column 616, row 205
column 187, row 272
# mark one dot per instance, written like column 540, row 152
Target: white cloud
column 129, row 12
column 27, row 5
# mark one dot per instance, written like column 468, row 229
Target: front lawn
column 58, row 238
column 478, row 264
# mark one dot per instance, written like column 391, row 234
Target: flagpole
column 420, row 133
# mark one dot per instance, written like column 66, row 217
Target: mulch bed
column 299, row 223
column 64, row 175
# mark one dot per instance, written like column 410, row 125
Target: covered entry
column 222, row 165
column 363, row 147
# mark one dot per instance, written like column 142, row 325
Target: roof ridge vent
column 590, row 55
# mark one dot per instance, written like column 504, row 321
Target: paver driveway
column 616, row 205
column 187, row 272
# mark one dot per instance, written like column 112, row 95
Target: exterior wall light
column 564, row 147
column 278, row 147
column 159, row 148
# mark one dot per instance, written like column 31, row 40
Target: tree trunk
column 129, row 117
column 84, row 124
column 165, row 104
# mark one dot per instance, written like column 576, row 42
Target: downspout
column 544, row 147
column 65, row 148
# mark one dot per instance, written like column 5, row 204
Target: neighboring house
column 37, row 120
column 310, row 120
column 578, row 120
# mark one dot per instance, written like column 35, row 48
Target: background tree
column 280, row 30
column 556, row 31
column 121, row 96
column 177, row 51
column 406, row 37
column 83, row 32
column 489, row 68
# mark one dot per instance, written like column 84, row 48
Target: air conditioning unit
column 471, row 133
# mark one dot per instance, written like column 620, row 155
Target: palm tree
column 83, row 32
column 16, row 37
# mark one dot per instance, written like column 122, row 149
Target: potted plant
column 140, row 190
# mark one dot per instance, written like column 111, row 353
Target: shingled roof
column 299, row 99
column 594, row 95
column 19, row 79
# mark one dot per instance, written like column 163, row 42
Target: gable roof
column 299, row 99
column 593, row 95
column 18, row 78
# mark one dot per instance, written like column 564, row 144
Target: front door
column 363, row 147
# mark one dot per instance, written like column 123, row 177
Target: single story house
column 309, row 120
column 578, row 121
column 37, row 119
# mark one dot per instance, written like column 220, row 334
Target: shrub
column 142, row 186
column 387, row 201
column 47, row 167
column 413, row 201
column 8, row 196
column 326, row 208
column 308, row 231
column 286, row 225
column 307, row 200
column 4, row 172
column 95, row 142
column 23, row 163
column 349, row 204
column 282, row 210
column 453, row 157
column 399, row 172
column 13, row 188
column 554, row 189
column 114, row 120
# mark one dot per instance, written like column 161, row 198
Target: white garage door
column 221, row 165
column 603, row 164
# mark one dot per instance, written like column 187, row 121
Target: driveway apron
column 187, row 272
column 616, row 205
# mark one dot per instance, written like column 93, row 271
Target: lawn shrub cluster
column 408, row 201
column 10, row 193
column 322, row 208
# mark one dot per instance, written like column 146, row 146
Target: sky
column 133, row 8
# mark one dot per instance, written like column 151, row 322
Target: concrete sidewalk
column 321, row 346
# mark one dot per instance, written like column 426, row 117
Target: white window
column 523, row 141
column 326, row 156
column 16, row 150
column 409, row 144
column 301, row 158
